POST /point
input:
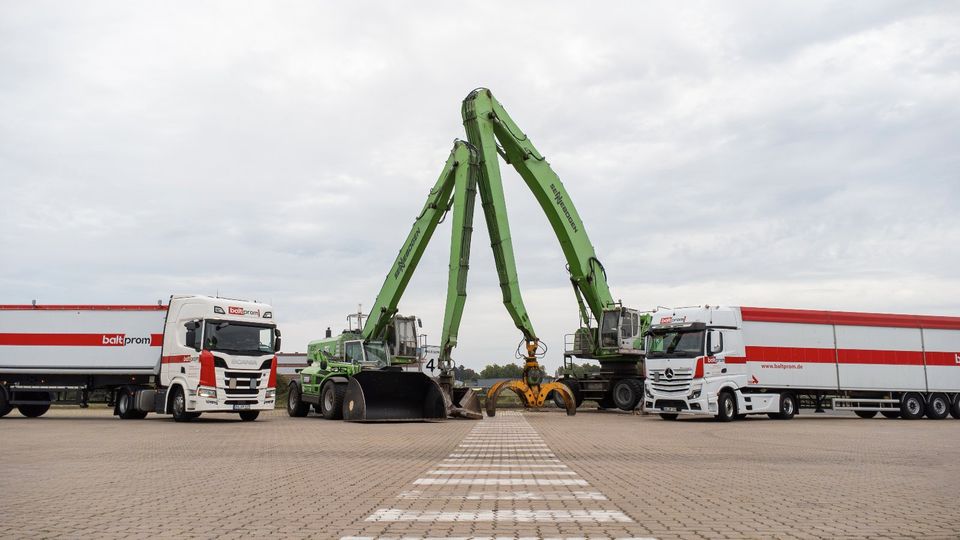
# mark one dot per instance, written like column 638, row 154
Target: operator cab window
column 353, row 352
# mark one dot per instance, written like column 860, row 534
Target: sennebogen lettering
column 402, row 262
column 558, row 197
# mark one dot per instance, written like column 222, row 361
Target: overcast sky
column 749, row 153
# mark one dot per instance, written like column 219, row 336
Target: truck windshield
column 376, row 353
column 681, row 344
column 238, row 338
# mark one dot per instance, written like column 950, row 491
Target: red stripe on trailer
column 71, row 340
column 30, row 307
column 790, row 354
column 848, row 318
column 943, row 359
column 800, row 355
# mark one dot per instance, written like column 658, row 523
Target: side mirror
column 716, row 341
column 419, row 322
column 276, row 344
column 323, row 364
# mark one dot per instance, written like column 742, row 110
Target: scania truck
column 194, row 355
column 729, row 362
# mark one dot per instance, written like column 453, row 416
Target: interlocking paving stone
column 84, row 474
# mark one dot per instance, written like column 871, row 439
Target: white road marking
column 552, row 516
column 493, row 538
column 506, row 471
column 499, row 482
column 502, row 465
column 507, row 496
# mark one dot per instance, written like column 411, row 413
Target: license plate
column 670, row 409
column 243, row 407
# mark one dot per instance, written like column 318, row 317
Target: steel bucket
column 393, row 396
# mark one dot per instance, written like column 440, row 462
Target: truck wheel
column 249, row 416
column 574, row 387
column 865, row 414
column 295, row 406
column 125, row 406
column 331, row 400
column 788, row 406
column 912, row 406
column 669, row 416
column 178, row 406
column 726, row 407
column 954, row 407
column 890, row 414
column 626, row 394
column 938, row 407
column 5, row 406
column 33, row 411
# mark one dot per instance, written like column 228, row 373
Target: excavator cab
column 621, row 331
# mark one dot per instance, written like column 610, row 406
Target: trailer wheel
column 726, row 407
column 954, row 407
column 295, row 406
column 5, row 406
column 178, row 406
column 788, row 406
column 865, row 414
column 912, row 406
column 890, row 414
column 669, row 416
column 938, row 407
column 33, row 411
column 627, row 393
column 249, row 416
column 331, row 400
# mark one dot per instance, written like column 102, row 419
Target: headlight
column 271, row 393
column 204, row 392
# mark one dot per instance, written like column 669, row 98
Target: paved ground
column 603, row 475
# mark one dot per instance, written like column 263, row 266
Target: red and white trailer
column 197, row 354
column 732, row 361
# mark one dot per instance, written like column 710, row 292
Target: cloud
column 791, row 155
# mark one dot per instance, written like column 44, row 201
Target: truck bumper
column 203, row 402
column 673, row 405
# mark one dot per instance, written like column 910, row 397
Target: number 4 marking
column 430, row 364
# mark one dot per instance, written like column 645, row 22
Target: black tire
column 938, row 406
column 125, row 406
column 249, row 416
column 627, row 393
column 865, row 414
column 669, row 416
column 331, row 400
column 5, row 406
column 954, row 407
column 726, row 406
column 912, row 406
column 33, row 411
column 739, row 416
column 788, row 406
column 574, row 387
column 296, row 407
column 178, row 406
column 890, row 414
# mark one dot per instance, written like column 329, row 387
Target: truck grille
column 241, row 383
column 678, row 384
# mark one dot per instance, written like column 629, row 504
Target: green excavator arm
column 458, row 171
column 494, row 133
